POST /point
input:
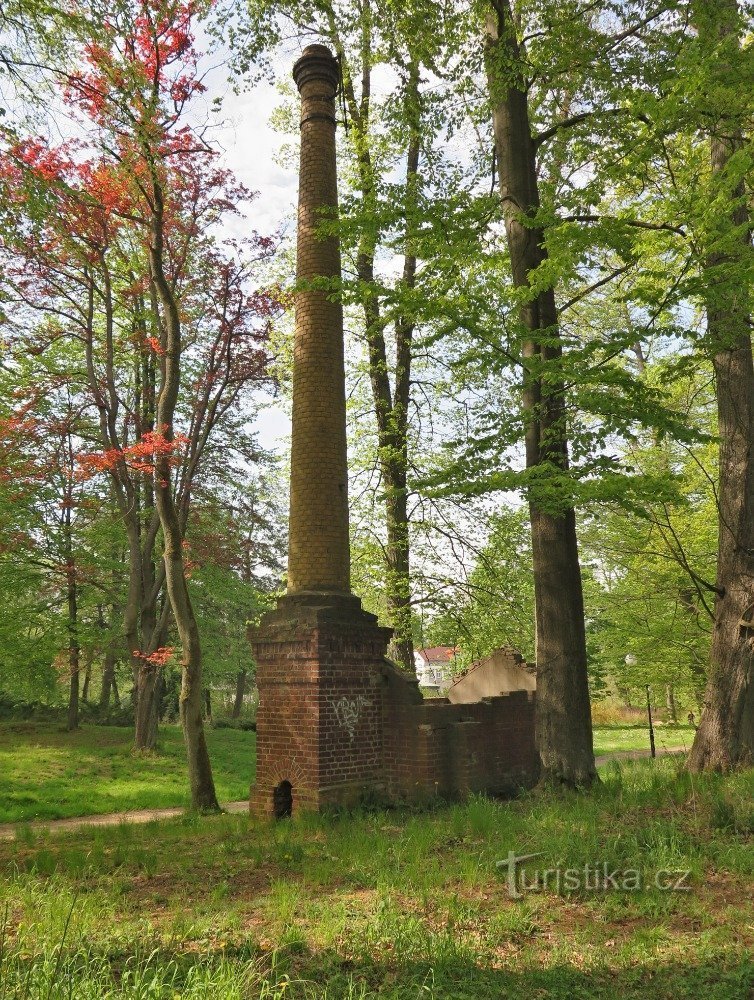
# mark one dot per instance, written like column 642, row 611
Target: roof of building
column 437, row 654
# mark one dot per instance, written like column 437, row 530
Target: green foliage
column 650, row 598
column 494, row 605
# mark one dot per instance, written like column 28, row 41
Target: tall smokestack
column 320, row 658
column 318, row 553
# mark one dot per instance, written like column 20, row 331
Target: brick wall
column 433, row 747
column 343, row 725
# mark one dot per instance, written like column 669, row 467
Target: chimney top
column 317, row 63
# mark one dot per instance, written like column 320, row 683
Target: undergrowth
column 396, row 903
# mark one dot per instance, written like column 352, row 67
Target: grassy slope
column 395, row 905
column 46, row 773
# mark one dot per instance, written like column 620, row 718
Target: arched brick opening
column 282, row 800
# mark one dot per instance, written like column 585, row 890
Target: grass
column 611, row 739
column 47, row 773
column 394, row 904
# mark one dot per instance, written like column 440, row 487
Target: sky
column 250, row 148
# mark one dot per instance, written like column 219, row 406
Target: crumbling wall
column 432, row 747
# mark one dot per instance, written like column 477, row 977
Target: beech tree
column 550, row 320
column 129, row 227
column 725, row 737
column 138, row 80
column 686, row 181
column 564, row 726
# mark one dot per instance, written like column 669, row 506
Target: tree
column 691, row 147
column 725, row 737
column 564, row 725
column 163, row 303
column 48, row 544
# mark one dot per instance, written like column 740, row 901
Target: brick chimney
column 319, row 655
column 318, row 546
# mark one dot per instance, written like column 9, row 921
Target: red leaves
column 49, row 164
column 152, row 56
column 19, row 465
column 158, row 658
column 89, row 197
column 155, row 345
column 141, row 456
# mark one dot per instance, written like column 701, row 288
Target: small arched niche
column 282, row 800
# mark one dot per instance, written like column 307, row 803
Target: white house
column 435, row 666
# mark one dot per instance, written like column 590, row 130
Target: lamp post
column 631, row 661
column 651, row 727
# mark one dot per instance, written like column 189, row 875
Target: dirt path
column 8, row 830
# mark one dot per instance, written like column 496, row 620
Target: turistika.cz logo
column 595, row 876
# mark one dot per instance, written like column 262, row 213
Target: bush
column 14, row 710
column 245, row 725
column 612, row 713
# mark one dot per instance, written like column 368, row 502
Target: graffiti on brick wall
column 347, row 712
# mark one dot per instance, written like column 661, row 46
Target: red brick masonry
column 343, row 726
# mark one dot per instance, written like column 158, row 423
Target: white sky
column 250, row 148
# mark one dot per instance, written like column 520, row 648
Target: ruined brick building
column 337, row 723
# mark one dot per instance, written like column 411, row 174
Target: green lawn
column 395, row 904
column 609, row 739
column 47, row 773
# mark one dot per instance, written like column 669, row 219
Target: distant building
column 503, row 671
column 435, row 666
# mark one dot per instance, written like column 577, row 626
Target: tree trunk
column 670, row 704
column 202, row 786
column 108, row 680
column 138, row 515
column 87, row 675
column 391, row 404
column 398, row 579
column 564, row 726
column 72, row 602
column 240, row 691
column 203, row 796
column 151, row 630
column 725, row 737
column 73, row 692
column 208, row 705
column 393, row 426
column 145, row 709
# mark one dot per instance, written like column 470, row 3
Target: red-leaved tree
column 113, row 243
